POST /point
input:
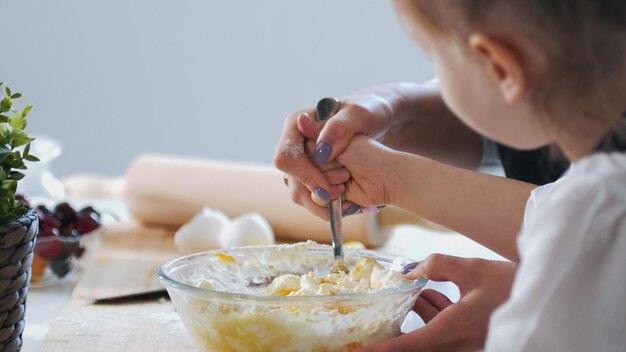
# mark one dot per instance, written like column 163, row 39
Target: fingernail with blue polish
column 322, row 153
column 353, row 209
column 408, row 268
column 322, row 194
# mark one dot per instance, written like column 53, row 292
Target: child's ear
column 503, row 63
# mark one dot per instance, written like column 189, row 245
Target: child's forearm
column 485, row 208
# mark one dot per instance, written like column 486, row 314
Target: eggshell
column 247, row 230
column 202, row 233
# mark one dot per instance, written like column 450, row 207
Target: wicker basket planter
column 17, row 240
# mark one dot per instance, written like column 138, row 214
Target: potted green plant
column 18, row 223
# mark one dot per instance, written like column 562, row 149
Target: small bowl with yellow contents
column 289, row 297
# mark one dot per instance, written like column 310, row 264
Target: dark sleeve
column 538, row 166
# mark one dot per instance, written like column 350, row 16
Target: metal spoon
column 325, row 109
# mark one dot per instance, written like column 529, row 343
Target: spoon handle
column 335, row 211
column 324, row 110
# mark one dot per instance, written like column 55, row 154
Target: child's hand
column 371, row 167
column 461, row 326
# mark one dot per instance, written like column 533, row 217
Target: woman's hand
column 461, row 326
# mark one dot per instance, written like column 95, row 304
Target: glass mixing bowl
column 226, row 321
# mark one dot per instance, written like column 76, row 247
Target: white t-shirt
column 569, row 292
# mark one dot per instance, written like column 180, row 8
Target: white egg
column 202, row 233
column 247, row 230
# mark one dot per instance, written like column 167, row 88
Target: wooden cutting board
column 128, row 327
column 127, row 261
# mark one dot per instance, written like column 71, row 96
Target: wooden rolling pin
column 169, row 190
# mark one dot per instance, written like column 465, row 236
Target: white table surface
column 45, row 304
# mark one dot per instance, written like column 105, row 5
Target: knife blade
column 133, row 297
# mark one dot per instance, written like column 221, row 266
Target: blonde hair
column 585, row 41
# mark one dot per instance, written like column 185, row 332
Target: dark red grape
column 65, row 213
column 48, row 249
column 87, row 222
column 49, row 222
column 48, row 232
column 90, row 209
column 43, row 211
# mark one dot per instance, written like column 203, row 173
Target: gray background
column 117, row 78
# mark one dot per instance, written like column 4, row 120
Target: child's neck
column 580, row 140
